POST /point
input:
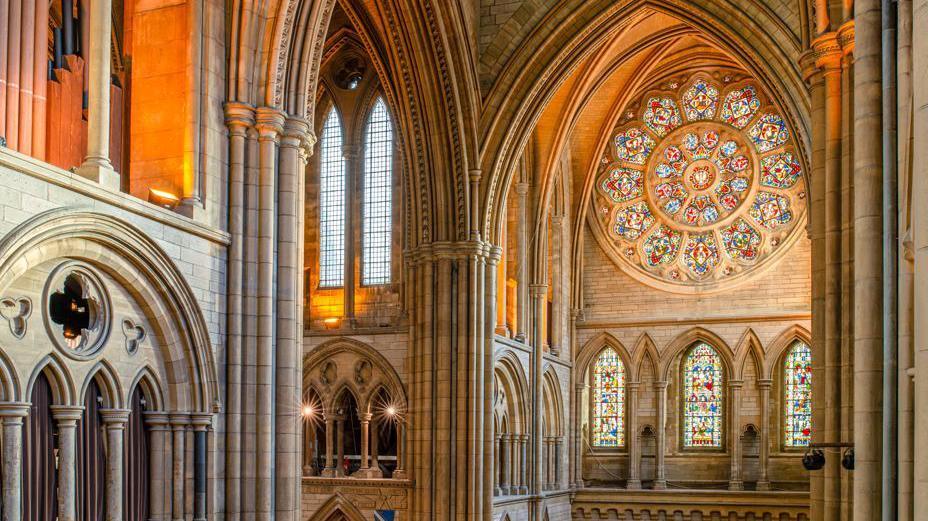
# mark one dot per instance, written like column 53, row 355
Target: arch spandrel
column 134, row 269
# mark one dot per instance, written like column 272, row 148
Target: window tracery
column 702, row 182
column 797, row 387
column 703, row 394
column 608, row 400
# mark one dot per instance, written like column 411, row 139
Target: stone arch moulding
column 554, row 402
column 107, row 382
column 147, row 381
column 750, row 350
column 125, row 253
column 645, row 353
column 56, row 371
column 383, row 374
column 9, row 380
column 337, row 504
column 781, row 344
column 591, row 349
column 684, row 341
column 511, row 369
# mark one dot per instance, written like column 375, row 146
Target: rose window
column 701, row 183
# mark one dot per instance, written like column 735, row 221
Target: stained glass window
column 378, row 196
column 797, row 387
column 331, row 203
column 608, row 400
column 703, row 392
column 702, row 182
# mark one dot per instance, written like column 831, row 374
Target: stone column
column 295, row 144
column 920, row 253
column 365, row 470
column 523, row 469
column 239, row 118
column 400, row 471
column 734, row 389
column 660, row 478
column 329, row 470
column 66, row 418
column 763, row 482
column 868, row 260
column 158, row 427
column 558, row 470
column 578, row 430
column 375, row 448
column 309, row 447
column 522, row 275
column 12, row 415
column 114, row 421
column 178, row 477
column 352, row 172
column 538, row 293
column 515, row 449
column 201, row 423
column 506, row 480
column 340, row 445
column 634, row 438
column 497, row 464
column 269, row 124
column 97, row 166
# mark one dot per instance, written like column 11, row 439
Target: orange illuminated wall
column 156, row 36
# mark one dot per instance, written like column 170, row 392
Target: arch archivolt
column 680, row 345
column 513, row 402
column 152, row 320
column 346, row 365
column 780, row 346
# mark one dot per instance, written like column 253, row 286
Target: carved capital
column 239, row 116
column 846, row 37
column 269, row 122
column 827, row 52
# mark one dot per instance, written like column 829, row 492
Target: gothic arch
column 107, row 382
column 591, row 350
column 9, row 380
column 147, row 380
column 316, row 373
column 749, row 349
column 680, row 345
column 510, row 377
column 58, row 376
column 143, row 269
column 780, row 346
column 553, row 403
column 645, row 353
column 338, row 508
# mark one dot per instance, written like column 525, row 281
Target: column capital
column 14, row 410
column 201, row 421
column 269, row 122
column 239, row 116
column 538, row 290
column 735, row 384
column 846, row 37
column 454, row 250
column 157, row 420
column 660, row 385
column 826, row 49
column 297, row 134
column 521, row 188
column 115, row 418
column 366, row 417
column 765, row 384
column 67, row 413
column 633, row 386
column 179, row 420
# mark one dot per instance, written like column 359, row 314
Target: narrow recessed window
column 332, row 204
column 797, row 388
column 608, row 400
column 702, row 398
column 377, row 205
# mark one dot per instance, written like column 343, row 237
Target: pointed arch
column 553, row 403
column 511, row 378
column 147, row 381
column 749, row 349
column 9, row 380
column 58, row 376
column 683, row 342
column 645, row 353
column 332, row 201
column 591, row 349
column 377, row 196
column 337, row 505
column 382, row 372
column 781, row 344
column 703, row 397
column 107, row 382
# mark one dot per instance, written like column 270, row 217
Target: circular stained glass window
column 701, row 183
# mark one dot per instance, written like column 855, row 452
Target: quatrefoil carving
column 16, row 311
column 135, row 335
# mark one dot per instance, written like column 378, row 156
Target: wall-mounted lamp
column 332, row 322
column 308, row 411
column 814, row 458
column 163, row 199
